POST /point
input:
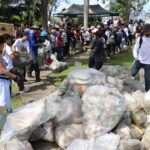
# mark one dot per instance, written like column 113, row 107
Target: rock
column 44, row 132
column 146, row 139
column 131, row 145
column 102, row 109
column 136, row 132
column 15, row 144
column 19, row 124
column 70, row 111
column 139, row 118
column 65, row 134
column 105, row 142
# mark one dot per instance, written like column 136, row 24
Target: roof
column 16, row 3
column 75, row 10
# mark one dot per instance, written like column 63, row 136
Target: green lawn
column 124, row 59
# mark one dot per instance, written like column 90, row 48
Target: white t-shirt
column 19, row 44
column 47, row 45
column 23, row 48
column 7, row 52
column 143, row 53
column 86, row 36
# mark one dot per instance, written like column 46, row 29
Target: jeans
column 135, row 69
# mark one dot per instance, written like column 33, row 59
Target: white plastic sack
column 87, row 76
column 131, row 144
column 83, row 77
column 65, row 134
column 106, row 142
column 102, row 110
column 135, row 101
column 115, row 71
column 57, row 65
column 44, row 132
column 25, row 120
column 70, row 111
column 15, row 144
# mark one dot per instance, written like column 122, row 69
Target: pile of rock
column 91, row 110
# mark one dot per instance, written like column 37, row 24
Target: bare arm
column 8, row 74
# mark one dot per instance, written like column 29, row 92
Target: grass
column 124, row 59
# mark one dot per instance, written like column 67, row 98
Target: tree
column 125, row 7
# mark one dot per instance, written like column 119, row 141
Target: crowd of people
column 19, row 55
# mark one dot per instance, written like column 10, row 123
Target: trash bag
column 135, row 101
column 115, row 82
column 15, row 144
column 45, row 133
column 65, row 134
column 131, row 144
column 105, row 142
column 115, row 71
column 102, row 110
column 25, row 120
column 123, row 131
column 81, row 78
column 70, row 111
column 146, row 139
column 56, row 65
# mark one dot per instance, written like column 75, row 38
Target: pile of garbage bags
column 91, row 110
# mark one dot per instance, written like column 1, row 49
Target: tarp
column 76, row 10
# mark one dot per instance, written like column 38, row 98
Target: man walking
column 141, row 53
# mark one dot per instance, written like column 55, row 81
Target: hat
column 5, row 30
column 146, row 28
column 34, row 27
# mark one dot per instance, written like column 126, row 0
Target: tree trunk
column 45, row 14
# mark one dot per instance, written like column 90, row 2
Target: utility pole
column 86, row 13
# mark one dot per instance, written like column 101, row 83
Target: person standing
column 141, row 53
column 21, row 51
column 5, row 80
column 34, row 65
column 98, row 52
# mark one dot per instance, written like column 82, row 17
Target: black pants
column 19, row 80
column 34, row 66
column 95, row 62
